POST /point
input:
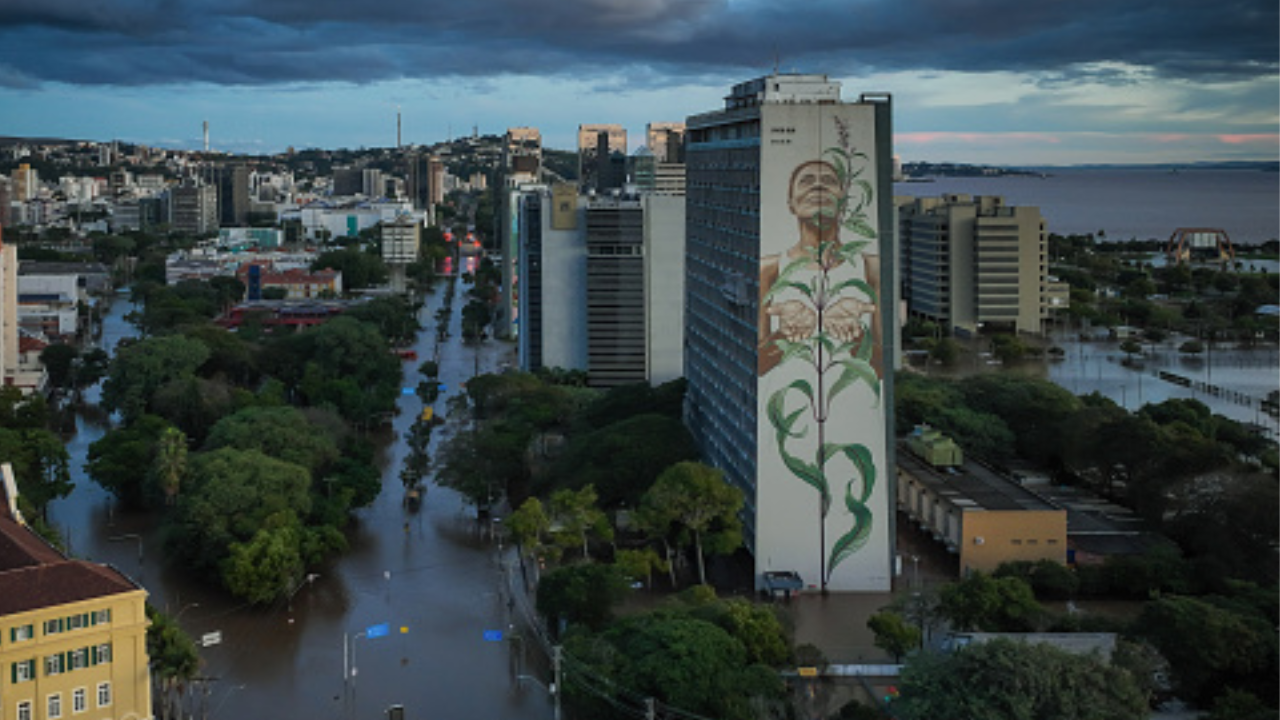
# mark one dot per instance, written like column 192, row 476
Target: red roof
column 27, row 344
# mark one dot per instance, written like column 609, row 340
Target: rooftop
column 973, row 486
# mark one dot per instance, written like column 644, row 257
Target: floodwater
column 432, row 578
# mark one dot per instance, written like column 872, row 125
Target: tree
column 234, row 493
column 623, row 458
column 528, row 525
column 266, row 567
column 1211, row 647
column 174, row 661
column 359, row 269
column 694, row 500
column 893, row 634
column 1007, row 680
column 59, row 361
column 115, row 458
column 143, row 367
column 584, row 593
column 170, row 463
column 640, row 564
column 40, row 466
column 575, row 519
column 983, row 602
column 283, row 432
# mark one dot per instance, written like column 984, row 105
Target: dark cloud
column 259, row 42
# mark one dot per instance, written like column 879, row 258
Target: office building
column 665, row 141
column 72, row 633
column 401, row 241
column 193, row 209
column 975, row 264
column 789, row 235
column 602, row 157
column 601, row 285
column 233, row 195
column 348, row 181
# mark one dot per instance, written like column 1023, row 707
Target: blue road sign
column 406, row 391
column 493, row 635
column 377, row 631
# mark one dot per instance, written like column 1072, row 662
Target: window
column 79, row 658
column 53, row 664
column 22, row 632
column 53, row 627
column 104, row 694
column 102, row 617
column 24, row 710
column 24, row 670
column 79, row 701
column 104, row 653
column 55, row 706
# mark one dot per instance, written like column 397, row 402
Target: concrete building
column 233, row 195
column 72, row 632
column 789, row 232
column 401, row 241
column 601, row 285
column 975, row 264
column 666, row 141
column 193, row 209
column 602, row 157
column 983, row 517
column 9, row 348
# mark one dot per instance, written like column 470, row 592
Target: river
column 434, row 582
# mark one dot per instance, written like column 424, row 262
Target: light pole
column 915, row 572
column 185, row 608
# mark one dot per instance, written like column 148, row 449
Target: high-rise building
column 419, row 181
column 8, row 309
column 973, row 264
column 348, row 181
column 26, row 183
column 371, row 184
column 602, row 157
column 666, row 141
column 435, row 175
column 233, row 195
column 601, row 285
column 193, row 208
column 789, row 244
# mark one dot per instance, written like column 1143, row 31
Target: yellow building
column 984, row 518
column 73, row 634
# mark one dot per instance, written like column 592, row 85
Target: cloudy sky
column 1002, row 82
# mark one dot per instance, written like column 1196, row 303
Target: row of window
column 58, row 663
column 74, row 622
column 79, row 703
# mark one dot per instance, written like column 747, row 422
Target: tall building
column 666, row 141
column 348, row 181
column 193, row 208
column 789, row 235
column 8, row 310
column 602, row 157
column 72, row 633
column 26, row 183
column 401, row 240
column 601, row 285
column 974, row 264
column 233, row 195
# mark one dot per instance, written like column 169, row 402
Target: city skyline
column 990, row 82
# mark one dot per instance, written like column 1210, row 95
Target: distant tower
column 397, row 127
column 206, row 136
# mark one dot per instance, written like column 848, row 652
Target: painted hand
column 796, row 320
column 843, row 320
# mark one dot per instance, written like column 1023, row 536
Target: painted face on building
column 815, row 193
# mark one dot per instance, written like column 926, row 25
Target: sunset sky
column 1002, row 82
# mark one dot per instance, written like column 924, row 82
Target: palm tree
column 170, row 463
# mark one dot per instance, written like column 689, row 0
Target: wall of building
column 664, row 219
column 992, row 537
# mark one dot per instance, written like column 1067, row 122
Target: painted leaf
column 852, row 541
column 861, row 227
column 854, row 283
column 793, row 349
column 851, row 371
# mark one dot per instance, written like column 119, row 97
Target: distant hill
column 1263, row 165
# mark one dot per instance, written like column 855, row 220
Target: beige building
column 980, row 516
column 522, row 155
column 72, row 633
column 973, row 264
column 602, row 153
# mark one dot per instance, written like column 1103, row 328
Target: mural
column 819, row 354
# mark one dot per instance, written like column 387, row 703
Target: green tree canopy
column 983, row 602
column 623, row 459
column 284, row 433
column 694, row 502
column 1007, row 680
column 143, row 367
column 893, row 634
column 115, row 459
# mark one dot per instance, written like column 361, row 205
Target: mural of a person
column 815, row 196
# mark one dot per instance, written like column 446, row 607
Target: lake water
column 1133, row 203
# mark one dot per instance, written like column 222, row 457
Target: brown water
column 437, row 578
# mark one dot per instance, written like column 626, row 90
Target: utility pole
column 555, row 693
column 650, row 709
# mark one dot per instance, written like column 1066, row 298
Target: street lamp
column 185, row 608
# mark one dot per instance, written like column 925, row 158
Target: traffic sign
column 493, row 635
column 209, row 639
column 377, row 631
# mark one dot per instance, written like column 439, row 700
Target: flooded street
column 433, row 582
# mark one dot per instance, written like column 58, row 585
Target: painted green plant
column 829, row 366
